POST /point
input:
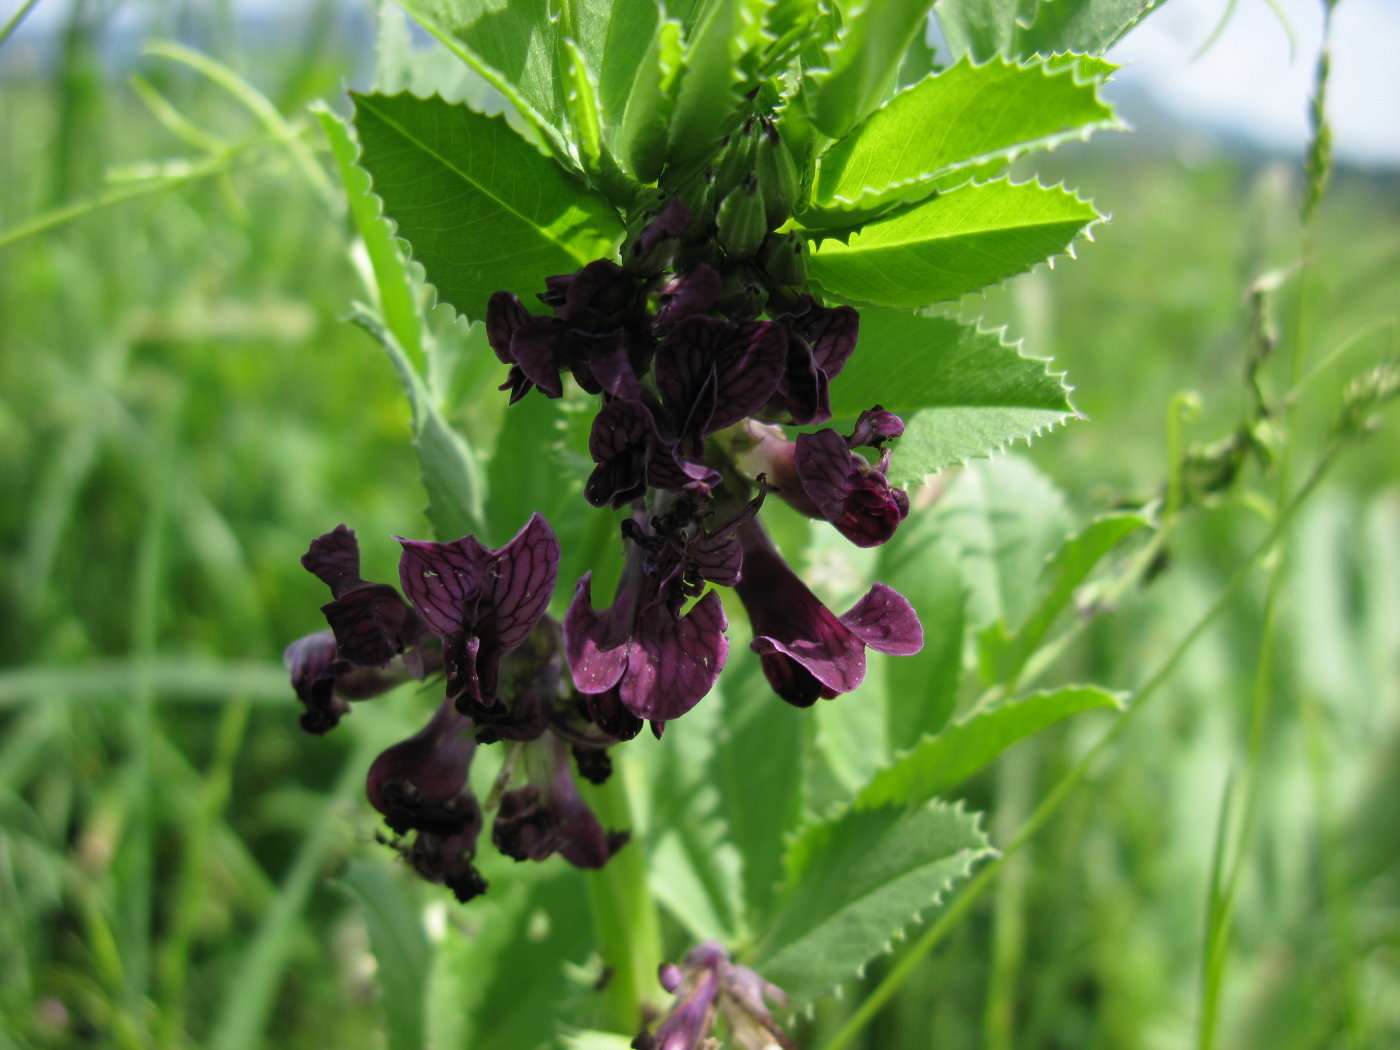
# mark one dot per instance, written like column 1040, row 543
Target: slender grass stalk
column 16, row 19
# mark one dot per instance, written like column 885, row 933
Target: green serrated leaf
column 857, row 880
column 641, row 138
column 401, row 950
column 612, row 37
column 956, row 243
column 1022, row 28
column 513, row 46
column 940, row 763
column 707, row 99
column 451, row 474
column 1083, row 26
column 965, row 116
column 391, row 281
column 864, row 61
column 1067, row 569
column 481, row 210
column 963, row 392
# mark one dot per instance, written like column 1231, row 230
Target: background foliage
column 183, row 407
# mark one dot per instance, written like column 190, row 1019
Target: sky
column 1254, row 84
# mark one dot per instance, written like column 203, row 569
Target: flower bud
column 741, row 220
column 784, row 259
column 736, row 159
column 777, row 175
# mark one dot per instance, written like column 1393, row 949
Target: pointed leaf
column 481, row 210
column 857, row 880
column 391, row 280
column 940, row 763
column 958, row 242
column 707, row 98
column 612, row 37
column 963, row 392
column 965, row 116
column 1016, row 29
column 864, row 61
column 1067, row 569
column 401, row 950
column 451, row 473
column 641, row 140
column 512, row 45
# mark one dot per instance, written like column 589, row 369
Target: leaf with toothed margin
column 707, row 97
column 958, row 119
column 1002, row 651
column 983, row 28
column 513, row 46
column 452, row 474
column 962, row 392
column 864, row 61
column 480, row 208
column 940, row 763
column 958, row 242
column 856, row 881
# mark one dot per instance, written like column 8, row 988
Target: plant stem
column 625, row 923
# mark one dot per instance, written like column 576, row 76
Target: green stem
column 625, row 923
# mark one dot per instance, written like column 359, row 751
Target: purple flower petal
column 660, row 664
column 504, row 314
column 807, row 650
column 823, row 464
column 535, row 350
column 420, row 784
column 712, row 374
column 619, row 441
column 886, row 622
column 334, row 559
column 372, row 623
column 548, row 816
column 481, row 603
column 695, row 293
column 846, row 491
column 874, row 427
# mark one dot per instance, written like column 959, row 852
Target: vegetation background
column 182, row 407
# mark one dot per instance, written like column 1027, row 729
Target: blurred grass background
column 182, row 407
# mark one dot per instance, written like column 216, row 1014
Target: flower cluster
column 702, row 344
column 709, row 985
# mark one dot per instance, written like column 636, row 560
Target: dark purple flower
column 421, row 787
column 818, row 475
column 632, row 455
column 660, row 662
column 325, row 682
column 548, row 816
column 820, row 340
column 694, row 293
column 709, row 982
column 650, row 251
column 874, row 427
column 807, row 651
column 372, row 623
column 481, row 603
column 847, row 491
column 712, row 373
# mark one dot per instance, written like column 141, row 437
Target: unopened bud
column 741, row 222
column 777, row 175
column 736, row 158
column 784, row 259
